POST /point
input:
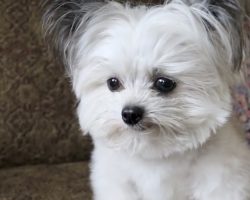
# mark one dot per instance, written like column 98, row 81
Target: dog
column 153, row 83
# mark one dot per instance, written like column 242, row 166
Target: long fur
column 64, row 22
column 184, row 148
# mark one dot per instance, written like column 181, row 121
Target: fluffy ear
column 230, row 15
column 62, row 20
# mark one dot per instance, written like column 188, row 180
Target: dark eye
column 113, row 84
column 164, row 85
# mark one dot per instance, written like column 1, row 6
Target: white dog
column 154, row 89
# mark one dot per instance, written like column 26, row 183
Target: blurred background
column 43, row 154
column 38, row 126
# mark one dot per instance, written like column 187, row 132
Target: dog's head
column 151, row 80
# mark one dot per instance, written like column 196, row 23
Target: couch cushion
column 37, row 114
column 46, row 182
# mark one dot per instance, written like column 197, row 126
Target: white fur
column 219, row 170
column 190, row 148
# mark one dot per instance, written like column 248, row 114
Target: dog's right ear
column 61, row 21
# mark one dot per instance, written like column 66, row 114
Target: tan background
column 37, row 115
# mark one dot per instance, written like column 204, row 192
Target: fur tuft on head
column 226, row 16
column 64, row 22
column 230, row 15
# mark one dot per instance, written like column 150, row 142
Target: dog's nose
column 131, row 115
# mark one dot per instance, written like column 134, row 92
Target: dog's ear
column 61, row 21
column 230, row 15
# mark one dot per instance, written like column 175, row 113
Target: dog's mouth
column 138, row 127
column 143, row 126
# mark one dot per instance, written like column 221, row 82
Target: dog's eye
column 113, row 84
column 164, row 85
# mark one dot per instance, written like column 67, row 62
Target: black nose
column 131, row 115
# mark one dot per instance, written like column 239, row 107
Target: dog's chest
column 160, row 180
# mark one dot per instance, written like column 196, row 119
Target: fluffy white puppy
column 153, row 84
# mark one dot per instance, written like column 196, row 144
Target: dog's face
column 153, row 81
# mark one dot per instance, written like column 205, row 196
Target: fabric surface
column 46, row 182
column 37, row 114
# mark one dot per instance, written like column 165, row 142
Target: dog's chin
column 150, row 140
column 145, row 127
column 145, row 140
column 122, row 137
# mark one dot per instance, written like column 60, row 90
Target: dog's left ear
column 62, row 21
column 230, row 15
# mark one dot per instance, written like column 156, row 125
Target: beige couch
column 43, row 155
